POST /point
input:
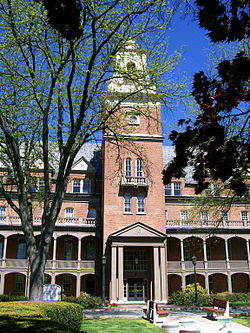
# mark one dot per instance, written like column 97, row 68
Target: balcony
column 86, row 266
column 134, row 181
column 74, row 221
column 206, row 224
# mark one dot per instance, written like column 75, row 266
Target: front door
column 136, row 290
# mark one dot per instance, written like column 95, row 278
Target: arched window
column 139, row 167
column 128, row 167
column 127, row 203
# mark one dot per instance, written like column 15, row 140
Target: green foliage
column 186, row 296
column 66, row 314
column 243, row 320
column 88, row 301
column 12, row 298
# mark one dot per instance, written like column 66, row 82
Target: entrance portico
column 138, row 265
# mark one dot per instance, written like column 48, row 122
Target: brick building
column 117, row 206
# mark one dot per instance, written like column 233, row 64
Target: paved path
column 175, row 315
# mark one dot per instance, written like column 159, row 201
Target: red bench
column 220, row 306
column 154, row 313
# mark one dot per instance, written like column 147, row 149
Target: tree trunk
column 37, row 267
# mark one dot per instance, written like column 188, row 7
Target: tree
column 217, row 143
column 52, row 82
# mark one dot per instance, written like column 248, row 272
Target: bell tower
column 133, row 193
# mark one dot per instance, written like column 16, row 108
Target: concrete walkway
column 175, row 315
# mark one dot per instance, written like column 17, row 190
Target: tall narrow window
column 69, row 215
column 67, row 283
column 128, row 167
column 168, row 189
column 19, row 282
column 127, row 203
column 68, row 249
column 184, row 215
column 140, row 203
column 40, row 184
column 90, row 249
column 216, row 190
column 2, row 213
column 21, row 249
column 76, row 186
column 92, row 213
column 139, row 167
column 86, row 186
column 224, row 215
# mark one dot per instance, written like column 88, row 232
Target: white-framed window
column 184, row 215
column 139, row 167
column 81, row 186
column 128, row 167
column 19, row 282
column 127, row 203
column 133, row 118
column 67, row 283
column 173, row 188
column 140, row 203
column 204, row 215
column 69, row 214
column 40, row 184
column 2, row 211
column 244, row 216
column 21, row 249
column 68, row 249
column 216, row 190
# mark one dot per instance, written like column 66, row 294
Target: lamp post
column 194, row 261
column 103, row 262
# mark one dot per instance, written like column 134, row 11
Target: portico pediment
column 138, row 230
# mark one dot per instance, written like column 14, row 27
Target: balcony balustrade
column 86, row 221
column 134, row 181
column 86, row 266
column 209, row 265
column 207, row 224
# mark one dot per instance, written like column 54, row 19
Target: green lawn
column 119, row 325
column 243, row 320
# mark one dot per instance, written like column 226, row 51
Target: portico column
column 227, row 256
column 157, row 280
column 207, row 282
column 229, row 282
column 78, row 285
column 79, row 253
column 120, row 274
column 113, row 288
column 163, row 275
column 248, row 253
column 205, row 253
column 4, row 252
column 182, row 256
column 54, row 252
column 2, row 284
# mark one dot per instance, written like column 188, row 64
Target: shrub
column 186, row 296
column 71, row 299
column 66, row 314
column 12, row 298
column 88, row 301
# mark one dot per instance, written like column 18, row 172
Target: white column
column 4, row 253
column 78, row 285
column 227, row 256
column 205, row 253
column 229, row 282
column 157, row 281
column 54, row 252
column 113, row 289
column 53, row 278
column 120, row 274
column 2, row 284
column 79, row 253
column 183, row 280
column 248, row 253
column 182, row 256
column 163, row 275
column 207, row 282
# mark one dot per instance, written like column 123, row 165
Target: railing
column 206, row 224
column 216, row 265
column 134, row 181
column 86, row 221
column 88, row 266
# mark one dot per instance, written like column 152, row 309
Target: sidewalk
column 175, row 315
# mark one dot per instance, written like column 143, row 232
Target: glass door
column 136, row 290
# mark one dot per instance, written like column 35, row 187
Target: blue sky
column 188, row 36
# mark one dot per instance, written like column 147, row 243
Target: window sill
column 128, row 213
column 141, row 213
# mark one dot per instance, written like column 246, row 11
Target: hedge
column 67, row 315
